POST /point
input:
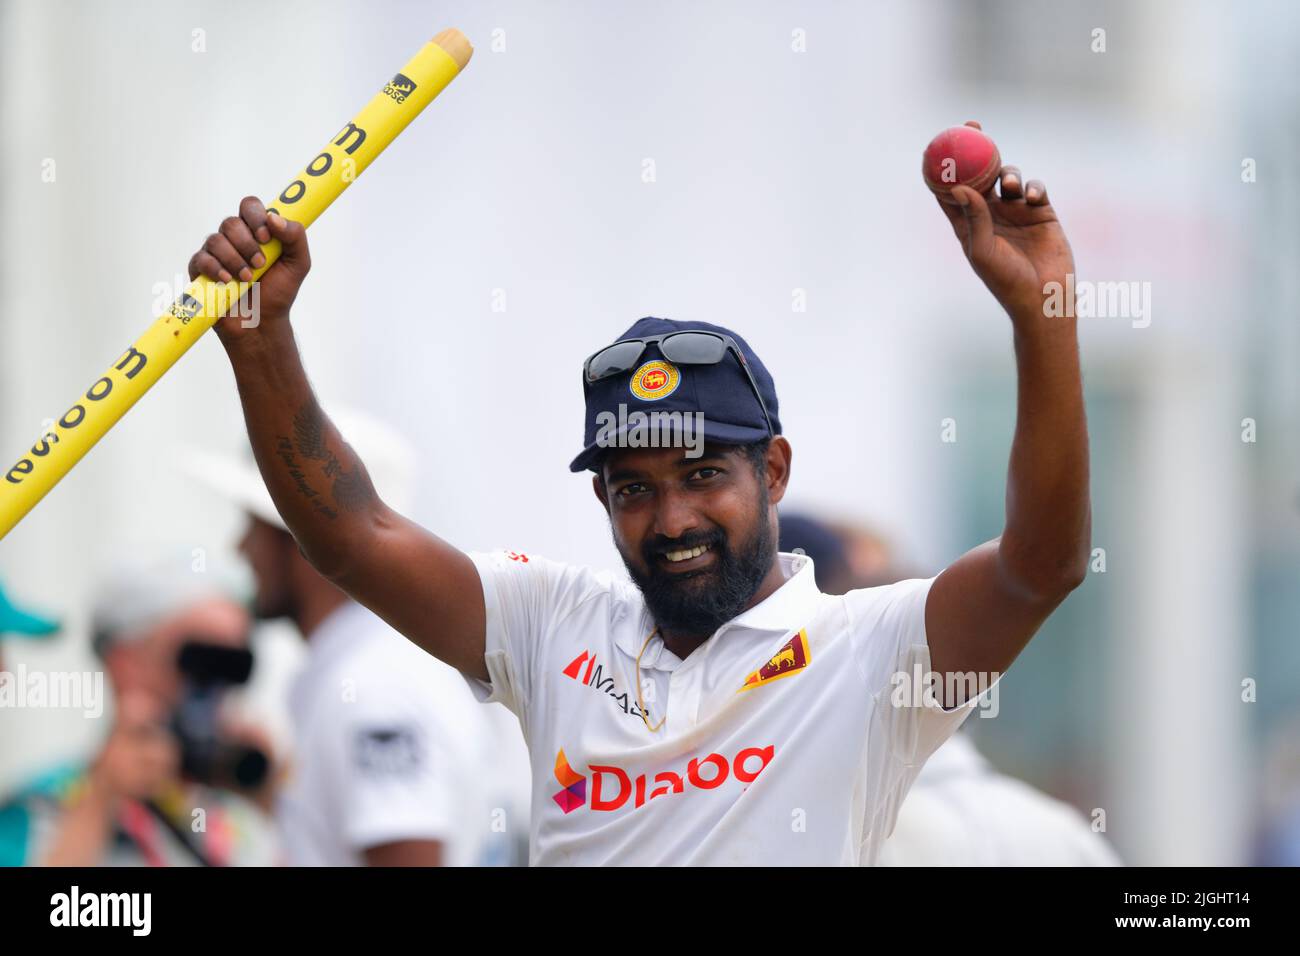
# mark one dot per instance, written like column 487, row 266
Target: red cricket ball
column 960, row 156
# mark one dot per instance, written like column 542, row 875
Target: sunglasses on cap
column 695, row 347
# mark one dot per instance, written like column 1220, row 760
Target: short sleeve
column 524, row 596
column 893, row 654
column 395, row 779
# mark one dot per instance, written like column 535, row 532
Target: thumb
column 293, row 241
column 979, row 224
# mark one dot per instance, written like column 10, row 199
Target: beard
column 273, row 606
column 697, row 603
column 273, row 597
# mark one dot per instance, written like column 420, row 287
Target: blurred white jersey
column 962, row 812
column 390, row 745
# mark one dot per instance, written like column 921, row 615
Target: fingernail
column 277, row 220
column 258, row 261
column 245, row 274
column 961, row 198
column 263, row 234
column 224, row 276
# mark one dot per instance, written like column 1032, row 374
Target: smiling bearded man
column 721, row 709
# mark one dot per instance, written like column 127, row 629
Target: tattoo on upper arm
column 309, row 431
column 284, row 448
column 351, row 488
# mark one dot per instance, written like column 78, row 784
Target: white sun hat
column 389, row 458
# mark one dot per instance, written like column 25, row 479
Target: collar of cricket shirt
column 785, row 609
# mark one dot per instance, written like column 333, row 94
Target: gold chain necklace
column 640, row 701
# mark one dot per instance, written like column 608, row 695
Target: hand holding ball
column 960, row 156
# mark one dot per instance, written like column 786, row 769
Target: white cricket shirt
column 389, row 745
column 779, row 745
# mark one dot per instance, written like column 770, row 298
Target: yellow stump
column 332, row 170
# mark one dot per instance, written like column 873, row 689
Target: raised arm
column 422, row 586
column 983, row 609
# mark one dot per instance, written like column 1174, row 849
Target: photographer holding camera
column 174, row 783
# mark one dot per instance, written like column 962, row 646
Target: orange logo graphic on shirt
column 574, row 793
column 788, row 660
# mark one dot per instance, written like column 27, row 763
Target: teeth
column 689, row 553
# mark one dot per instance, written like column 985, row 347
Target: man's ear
column 598, row 486
column 778, row 468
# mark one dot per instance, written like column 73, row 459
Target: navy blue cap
column 732, row 413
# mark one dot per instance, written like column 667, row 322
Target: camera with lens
column 208, row 756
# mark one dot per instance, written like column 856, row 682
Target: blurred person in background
column 176, row 781
column 960, row 811
column 394, row 763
